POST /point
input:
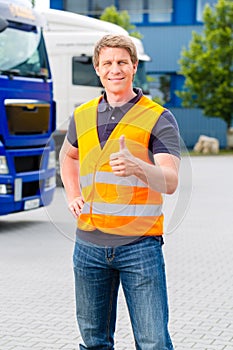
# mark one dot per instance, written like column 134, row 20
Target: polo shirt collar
column 104, row 105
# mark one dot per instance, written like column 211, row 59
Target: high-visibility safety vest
column 113, row 204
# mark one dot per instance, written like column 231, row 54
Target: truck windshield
column 22, row 51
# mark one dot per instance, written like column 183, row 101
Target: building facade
column 166, row 26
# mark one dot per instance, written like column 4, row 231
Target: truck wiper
column 36, row 75
column 16, row 72
column 10, row 72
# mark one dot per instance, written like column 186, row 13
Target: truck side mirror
column 3, row 24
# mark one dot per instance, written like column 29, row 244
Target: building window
column 77, row 6
column 160, row 10
column 160, row 87
column 156, row 11
column 98, row 7
column 93, row 8
column 200, row 7
column 140, row 79
column 134, row 9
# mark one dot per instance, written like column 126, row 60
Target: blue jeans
column 140, row 269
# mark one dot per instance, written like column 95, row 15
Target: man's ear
column 97, row 71
column 135, row 66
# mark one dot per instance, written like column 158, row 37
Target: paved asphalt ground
column 36, row 279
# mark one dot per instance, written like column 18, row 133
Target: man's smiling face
column 116, row 70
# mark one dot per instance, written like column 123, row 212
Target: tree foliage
column 120, row 18
column 208, row 64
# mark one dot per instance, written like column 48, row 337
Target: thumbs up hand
column 122, row 162
column 122, row 143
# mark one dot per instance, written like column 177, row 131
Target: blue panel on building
column 56, row 4
column 193, row 123
column 164, row 44
column 184, row 12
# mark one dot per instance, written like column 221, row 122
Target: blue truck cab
column 27, row 112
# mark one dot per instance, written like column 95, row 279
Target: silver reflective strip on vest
column 123, row 209
column 110, row 178
column 86, row 180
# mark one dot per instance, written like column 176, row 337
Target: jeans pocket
column 159, row 239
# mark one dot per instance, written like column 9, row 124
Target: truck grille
column 29, row 163
column 31, row 189
column 27, row 117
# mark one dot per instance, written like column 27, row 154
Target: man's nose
column 115, row 68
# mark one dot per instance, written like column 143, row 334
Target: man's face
column 116, row 70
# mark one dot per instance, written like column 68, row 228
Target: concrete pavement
column 37, row 308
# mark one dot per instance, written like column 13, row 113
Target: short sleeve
column 165, row 136
column 71, row 133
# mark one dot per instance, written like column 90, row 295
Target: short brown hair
column 113, row 40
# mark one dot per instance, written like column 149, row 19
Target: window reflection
column 160, row 10
column 160, row 87
column 134, row 8
column 200, row 8
column 154, row 10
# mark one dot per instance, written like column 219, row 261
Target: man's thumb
column 122, row 142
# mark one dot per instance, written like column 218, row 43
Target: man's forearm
column 162, row 179
column 70, row 178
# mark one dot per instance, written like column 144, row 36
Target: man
column 120, row 154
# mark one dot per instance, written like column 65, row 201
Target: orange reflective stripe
column 128, row 226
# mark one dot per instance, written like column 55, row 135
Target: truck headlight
column 52, row 160
column 3, row 189
column 3, row 165
column 50, row 182
column 6, row 189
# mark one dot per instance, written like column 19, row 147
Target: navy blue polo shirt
column 164, row 139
